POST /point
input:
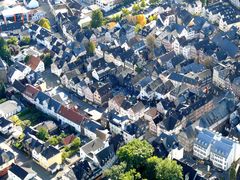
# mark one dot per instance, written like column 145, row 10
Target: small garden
column 28, row 117
column 68, row 150
column 71, row 149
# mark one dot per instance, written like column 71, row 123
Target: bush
column 12, row 40
column 25, row 41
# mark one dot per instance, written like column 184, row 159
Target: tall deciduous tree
column 132, row 174
column 42, row 134
column 162, row 169
column 97, row 19
column 5, row 53
column 116, row 171
column 135, row 153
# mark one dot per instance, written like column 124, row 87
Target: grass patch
column 28, row 117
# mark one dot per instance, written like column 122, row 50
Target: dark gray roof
column 222, row 147
column 105, row 155
column 204, row 139
column 4, row 122
column 92, row 126
column 18, row 171
column 50, row 152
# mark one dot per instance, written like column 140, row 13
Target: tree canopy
column 44, row 22
column 116, row 171
column 137, row 162
column 5, row 53
column 125, row 12
column 47, row 60
column 43, row 134
column 135, row 153
column 97, row 19
column 25, row 41
column 163, row 169
column 76, row 143
column 13, row 40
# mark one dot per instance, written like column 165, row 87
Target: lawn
column 28, row 117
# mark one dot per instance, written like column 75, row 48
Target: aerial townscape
column 120, row 89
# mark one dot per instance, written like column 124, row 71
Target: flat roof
column 14, row 10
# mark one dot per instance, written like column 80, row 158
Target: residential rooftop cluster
column 72, row 94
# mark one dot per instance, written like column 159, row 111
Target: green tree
column 135, row 153
column 13, row 40
column 163, row 169
column 115, row 171
column 76, row 143
column 137, row 28
column 53, row 140
column 125, row 12
column 132, row 174
column 91, row 48
column 44, row 22
column 143, row 3
column 25, row 41
column 47, row 60
column 136, row 7
column 43, row 134
column 26, row 59
column 233, row 174
column 5, row 53
column 97, row 19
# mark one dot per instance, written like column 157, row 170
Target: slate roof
column 222, row 109
column 105, row 155
column 204, row 139
column 138, row 128
column 117, row 141
column 83, row 170
column 4, row 122
column 222, row 148
column 229, row 47
column 19, row 86
column 189, row 171
column 18, row 171
column 92, row 126
column 11, row 26
column 183, row 79
column 50, row 152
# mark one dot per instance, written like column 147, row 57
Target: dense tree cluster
column 97, row 19
column 137, row 162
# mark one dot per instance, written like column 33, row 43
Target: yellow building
column 50, row 159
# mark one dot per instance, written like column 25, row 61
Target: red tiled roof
column 31, row 91
column 34, row 62
column 71, row 114
column 67, row 140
